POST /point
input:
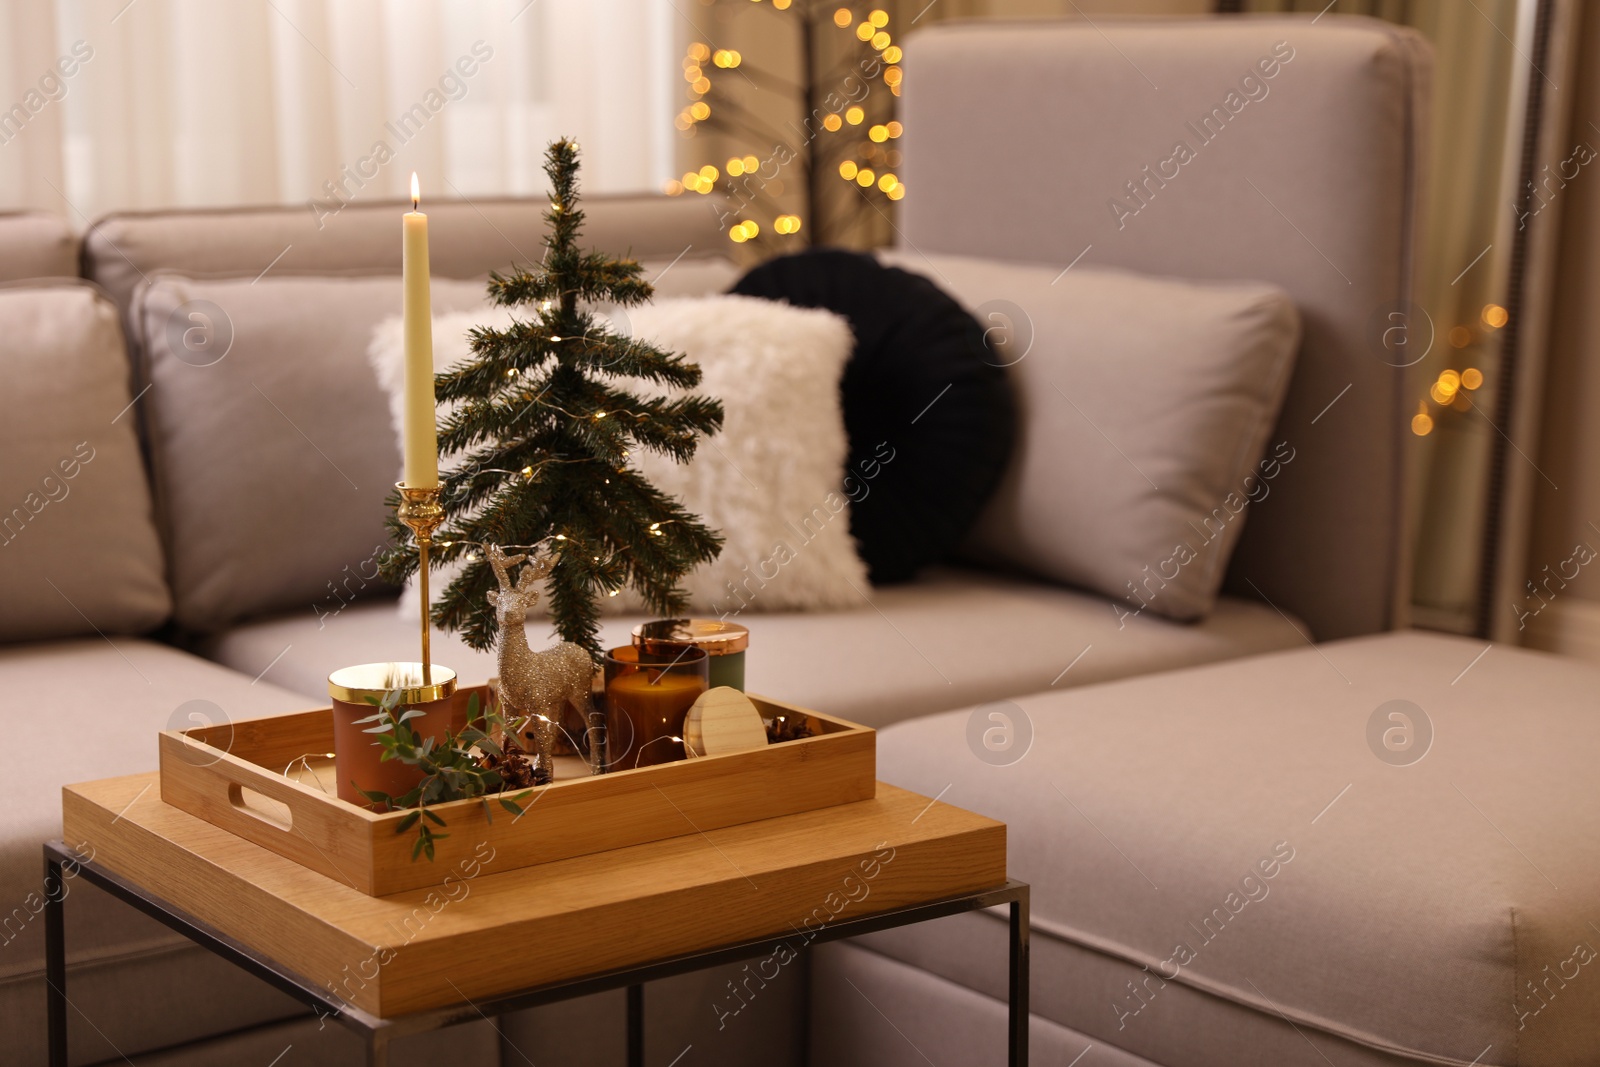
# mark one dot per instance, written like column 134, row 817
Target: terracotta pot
column 357, row 755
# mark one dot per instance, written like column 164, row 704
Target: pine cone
column 516, row 771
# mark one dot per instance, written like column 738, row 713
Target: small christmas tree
column 541, row 440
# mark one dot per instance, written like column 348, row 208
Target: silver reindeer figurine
column 536, row 686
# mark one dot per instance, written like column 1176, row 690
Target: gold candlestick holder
column 420, row 509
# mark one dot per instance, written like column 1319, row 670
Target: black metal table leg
column 636, row 1026
column 376, row 1032
column 1018, row 1009
column 55, row 957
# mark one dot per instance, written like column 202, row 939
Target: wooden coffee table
column 390, row 966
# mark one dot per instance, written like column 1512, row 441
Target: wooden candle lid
column 723, row 720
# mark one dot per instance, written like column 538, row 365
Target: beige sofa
column 238, row 571
column 1378, row 850
column 251, row 579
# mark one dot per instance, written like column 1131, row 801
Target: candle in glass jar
column 646, row 705
column 724, row 642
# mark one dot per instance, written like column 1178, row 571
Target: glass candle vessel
column 356, row 692
column 646, row 704
column 724, row 642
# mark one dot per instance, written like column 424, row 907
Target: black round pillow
column 928, row 411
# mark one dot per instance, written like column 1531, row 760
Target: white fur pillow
column 771, row 481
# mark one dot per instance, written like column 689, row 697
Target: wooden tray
column 233, row 776
column 493, row 931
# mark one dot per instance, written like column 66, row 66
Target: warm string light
column 530, row 472
column 560, row 539
column 874, row 175
column 1450, row 388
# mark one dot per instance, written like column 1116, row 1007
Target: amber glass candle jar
column 646, row 704
column 724, row 642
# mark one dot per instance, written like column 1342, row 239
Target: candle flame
column 416, row 191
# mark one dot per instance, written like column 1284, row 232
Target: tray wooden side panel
column 273, row 742
column 632, row 807
column 317, row 831
column 231, row 776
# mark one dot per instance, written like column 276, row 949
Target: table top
column 484, row 932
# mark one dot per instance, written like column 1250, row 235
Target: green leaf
column 511, row 805
column 431, row 817
column 407, row 823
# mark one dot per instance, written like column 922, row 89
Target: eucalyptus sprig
column 457, row 766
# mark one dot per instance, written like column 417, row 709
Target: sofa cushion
column 107, row 701
column 269, row 437
column 1145, row 408
column 36, row 246
column 868, row 1010
column 78, row 545
column 930, row 417
column 317, row 1043
column 950, row 639
column 1215, row 850
column 771, row 481
column 1315, row 187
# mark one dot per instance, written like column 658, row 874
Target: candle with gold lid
column 356, row 692
column 724, row 642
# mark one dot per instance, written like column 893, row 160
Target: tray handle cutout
column 275, row 813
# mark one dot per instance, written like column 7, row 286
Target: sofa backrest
column 36, row 246
column 268, row 436
column 1281, row 149
column 466, row 239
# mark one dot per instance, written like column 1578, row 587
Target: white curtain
column 110, row 105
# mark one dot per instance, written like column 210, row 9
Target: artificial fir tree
column 541, row 439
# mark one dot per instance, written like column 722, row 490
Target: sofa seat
column 100, row 703
column 1225, row 871
column 950, row 639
